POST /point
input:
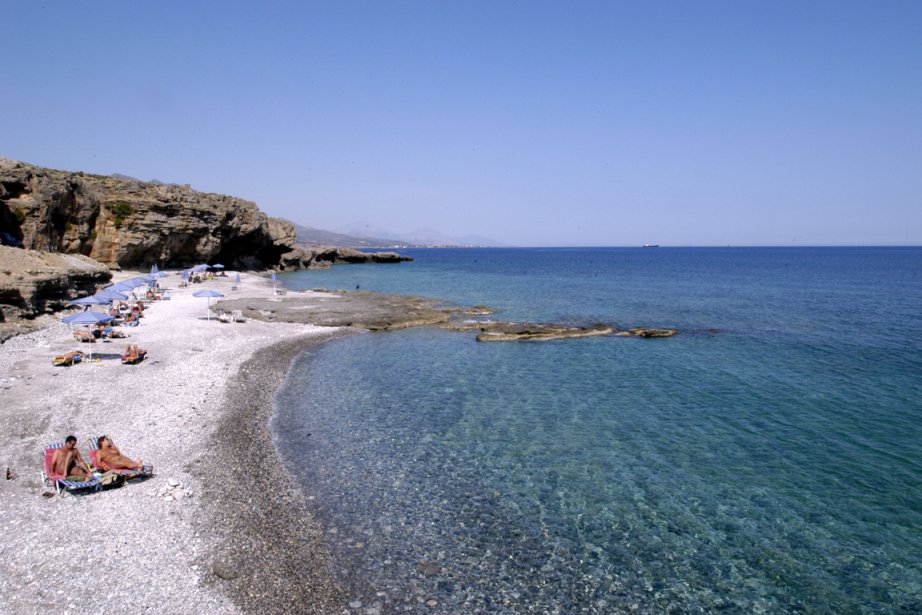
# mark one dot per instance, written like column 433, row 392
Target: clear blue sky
column 535, row 123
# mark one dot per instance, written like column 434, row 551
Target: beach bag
column 110, row 478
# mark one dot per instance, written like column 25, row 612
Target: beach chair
column 59, row 483
column 238, row 316
column 225, row 317
column 92, row 444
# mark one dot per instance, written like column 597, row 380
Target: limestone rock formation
column 314, row 257
column 34, row 283
column 122, row 222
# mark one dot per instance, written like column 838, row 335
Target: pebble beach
column 219, row 528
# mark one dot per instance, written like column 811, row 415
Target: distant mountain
column 315, row 236
column 156, row 182
column 421, row 236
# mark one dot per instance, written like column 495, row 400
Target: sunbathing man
column 68, row 463
column 109, row 457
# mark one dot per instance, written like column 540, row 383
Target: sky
column 608, row 123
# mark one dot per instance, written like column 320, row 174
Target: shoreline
column 270, row 554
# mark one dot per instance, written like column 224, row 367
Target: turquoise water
column 768, row 459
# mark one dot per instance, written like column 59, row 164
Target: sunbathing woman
column 109, row 457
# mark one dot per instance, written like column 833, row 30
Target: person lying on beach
column 68, row 463
column 110, row 458
column 68, row 358
column 82, row 335
column 133, row 354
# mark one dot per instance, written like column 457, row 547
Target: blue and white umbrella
column 91, row 300
column 120, row 287
column 209, row 293
column 88, row 317
column 111, row 295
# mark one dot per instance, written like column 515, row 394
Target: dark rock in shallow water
column 429, row 569
column 648, row 332
column 506, row 332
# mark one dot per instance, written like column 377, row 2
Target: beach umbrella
column 208, row 293
column 87, row 318
column 153, row 269
column 91, row 300
column 217, row 266
column 111, row 295
column 273, row 283
column 237, row 279
column 120, row 287
column 200, row 268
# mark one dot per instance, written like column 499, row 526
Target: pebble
column 172, row 482
column 225, row 571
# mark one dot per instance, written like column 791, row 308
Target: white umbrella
column 208, row 293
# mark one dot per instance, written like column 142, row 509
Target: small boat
column 651, row 245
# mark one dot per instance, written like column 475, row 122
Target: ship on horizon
column 651, row 245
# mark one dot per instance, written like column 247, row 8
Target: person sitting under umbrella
column 110, row 458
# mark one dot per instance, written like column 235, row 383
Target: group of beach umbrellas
column 115, row 292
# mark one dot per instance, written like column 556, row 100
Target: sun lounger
column 93, row 448
column 60, row 483
column 238, row 316
column 68, row 358
column 225, row 317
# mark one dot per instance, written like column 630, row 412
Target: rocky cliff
column 122, row 222
column 35, row 283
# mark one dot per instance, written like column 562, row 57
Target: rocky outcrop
column 309, row 257
column 122, row 222
column 499, row 331
column 34, row 283
column 380, row 312
column 365, row 310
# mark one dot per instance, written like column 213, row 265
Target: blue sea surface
column 768, row 459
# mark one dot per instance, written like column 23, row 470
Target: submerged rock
column 648, row 332
column 515, row 332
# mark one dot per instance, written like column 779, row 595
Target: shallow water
column 768, row 459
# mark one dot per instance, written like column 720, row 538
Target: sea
column 767, row 459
